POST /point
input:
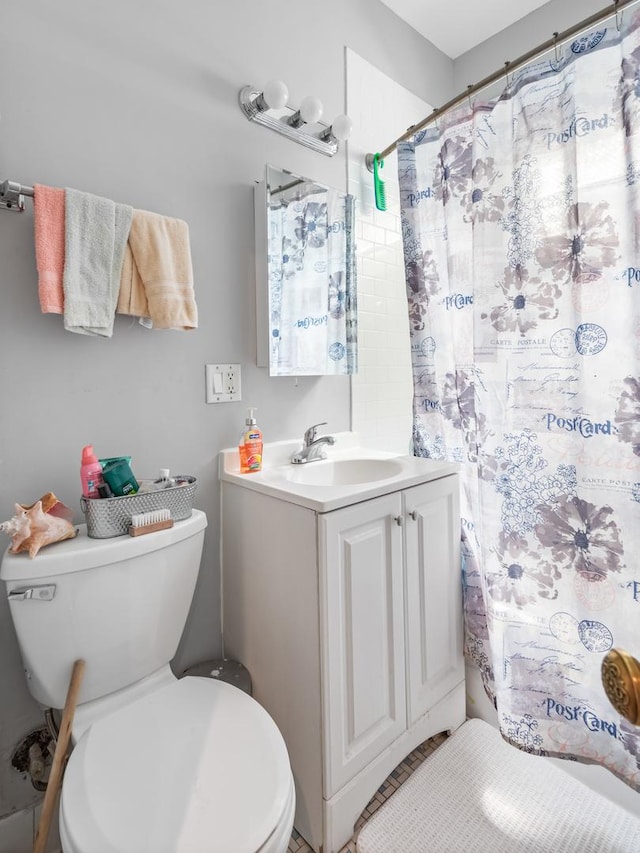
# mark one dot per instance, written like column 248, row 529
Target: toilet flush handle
column 44, row 592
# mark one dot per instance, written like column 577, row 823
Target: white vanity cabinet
column 391, row 620
column 350, row 623
column 362, row 627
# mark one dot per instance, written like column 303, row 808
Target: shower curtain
column 521, row 227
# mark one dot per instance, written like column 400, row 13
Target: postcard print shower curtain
column 521, row 230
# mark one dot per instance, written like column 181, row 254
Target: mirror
column 306, row 283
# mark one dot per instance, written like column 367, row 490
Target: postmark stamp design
column 590, row 339
column 564, row 627
column 563, row 343
column 595, row 636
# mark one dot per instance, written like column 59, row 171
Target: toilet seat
column 197, row 765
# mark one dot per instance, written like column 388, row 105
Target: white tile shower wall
column 382, row 390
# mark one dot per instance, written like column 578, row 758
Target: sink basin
column 343, row 472
column 352, row 472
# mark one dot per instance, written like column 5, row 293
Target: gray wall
column 138, row 102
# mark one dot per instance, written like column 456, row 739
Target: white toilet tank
column 121, row 604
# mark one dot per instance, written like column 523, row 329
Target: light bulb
column 341, row 127
column 310, row 109
column 275, row 94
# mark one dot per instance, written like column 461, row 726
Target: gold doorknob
column 621, row 681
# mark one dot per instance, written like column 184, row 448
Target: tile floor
column 388, row 787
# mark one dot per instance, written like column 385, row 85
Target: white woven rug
column 477, row 794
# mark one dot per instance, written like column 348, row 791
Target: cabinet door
column 435, row 663
column 363, row 635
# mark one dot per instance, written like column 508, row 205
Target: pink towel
column 48, row 218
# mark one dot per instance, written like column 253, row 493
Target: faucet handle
column 310, row 434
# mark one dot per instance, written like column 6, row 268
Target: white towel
column 96, row 232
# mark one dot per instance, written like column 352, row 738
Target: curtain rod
column 608, row 12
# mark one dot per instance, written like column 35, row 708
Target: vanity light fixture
column 309, row 113
column 274, row 96
column 269, row 107
column 340, row 129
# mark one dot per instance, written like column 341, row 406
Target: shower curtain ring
column 555, row 50
column 618, row 15
column 506, row 72
column 471, row 103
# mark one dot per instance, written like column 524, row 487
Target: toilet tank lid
column 82, row 552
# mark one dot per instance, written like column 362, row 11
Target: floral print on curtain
column 521, row 229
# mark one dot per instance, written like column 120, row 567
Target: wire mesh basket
column 107, row 517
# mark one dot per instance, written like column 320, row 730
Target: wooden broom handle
column 57, row 766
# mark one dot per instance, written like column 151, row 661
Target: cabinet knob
column 414, row 514
column 398, row 520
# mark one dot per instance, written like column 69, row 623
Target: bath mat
column 477, row 794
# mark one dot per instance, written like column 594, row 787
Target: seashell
column 31, row 528
column 52, row 506
column 18, row 527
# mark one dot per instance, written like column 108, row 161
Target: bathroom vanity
column 342, row 595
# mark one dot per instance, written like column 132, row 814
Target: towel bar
column 12, row 195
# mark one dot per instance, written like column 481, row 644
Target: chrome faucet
column 313, row 448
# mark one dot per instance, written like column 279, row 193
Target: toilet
column 159, row 764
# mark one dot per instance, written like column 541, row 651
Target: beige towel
column 132, row 298
column 157, row 278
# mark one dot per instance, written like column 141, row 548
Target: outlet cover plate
column 222, row 383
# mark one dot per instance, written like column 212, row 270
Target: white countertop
column 275, row 479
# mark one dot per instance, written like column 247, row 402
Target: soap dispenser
column 250, row 446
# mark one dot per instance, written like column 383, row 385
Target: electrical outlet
column 222, row 383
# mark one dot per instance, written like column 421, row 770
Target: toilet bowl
column 159, row 764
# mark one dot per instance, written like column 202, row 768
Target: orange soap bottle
column 250, row 446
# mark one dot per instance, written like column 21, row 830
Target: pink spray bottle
column 90, row 473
